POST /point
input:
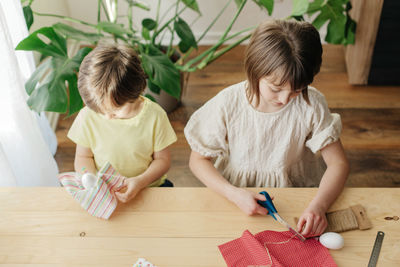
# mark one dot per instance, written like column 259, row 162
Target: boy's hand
column 247, row 201
column 129, row 190
column 312, row 222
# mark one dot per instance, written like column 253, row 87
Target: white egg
column 331, row 240
column 89, row 180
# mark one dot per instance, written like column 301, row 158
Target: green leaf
column 299, row 7
column 70, row 32
column 315, row 6
column 36, row 76
column 145, row 34
column 52, row 94
column 336, row 27
column 154, row 88
column 351, row 25
column 183, row 47
column 322, row 18
column 149, row 24
column 267, row 4
column 184, row 32
column 350, row 32
column 162, row 72
column 192, row 4
column 299, row 18
column 337, row 3
column 150, row 97
column 42, row 57
column 80, row 55
column 75, row 100
column 113, row 28
column 336, row 7
column 57, row 47
column 28, row 16
column 238, row 2
column 341, row 28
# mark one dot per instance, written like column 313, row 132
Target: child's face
column 126, row 111
column 272, row 96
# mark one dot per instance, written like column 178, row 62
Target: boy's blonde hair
column 110, row 76
column 291, row 47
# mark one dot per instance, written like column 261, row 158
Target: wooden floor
column 370, row 116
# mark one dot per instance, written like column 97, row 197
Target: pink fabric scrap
column 100, row 200
column 277, row 249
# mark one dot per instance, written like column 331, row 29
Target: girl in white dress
column 271, row 130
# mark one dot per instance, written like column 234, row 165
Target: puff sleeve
column 164, row 134
column 325, row 126
column 206, row 129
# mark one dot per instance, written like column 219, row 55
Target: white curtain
column 26, row 140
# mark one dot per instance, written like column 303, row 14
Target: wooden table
column 170, row 227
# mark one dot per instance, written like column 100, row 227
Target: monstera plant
column 53, row 86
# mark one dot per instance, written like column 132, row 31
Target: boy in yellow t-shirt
column 118, row 125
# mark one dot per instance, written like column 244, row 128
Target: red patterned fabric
column 277, row 249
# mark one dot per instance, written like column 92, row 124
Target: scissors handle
column 268, row 204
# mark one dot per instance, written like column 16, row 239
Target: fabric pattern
column 100, row 200
column 275, row 249
column 257, row 149
column 141, row 262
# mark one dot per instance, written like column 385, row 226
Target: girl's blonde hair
column 291, row 47
column 110, row 76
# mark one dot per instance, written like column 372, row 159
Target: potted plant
column 57, row 72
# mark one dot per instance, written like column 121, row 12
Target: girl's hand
column 247, row 201
column 129, row 190
column 312, row 222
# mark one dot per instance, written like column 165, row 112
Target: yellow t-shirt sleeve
column 79, row 132
column 164, row 134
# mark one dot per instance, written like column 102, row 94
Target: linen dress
column 256, row 149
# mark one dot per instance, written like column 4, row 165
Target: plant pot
column 167, row 102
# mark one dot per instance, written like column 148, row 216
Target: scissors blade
column 282, row 221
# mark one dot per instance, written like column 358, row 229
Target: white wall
column 59, row 7
column 86, row 10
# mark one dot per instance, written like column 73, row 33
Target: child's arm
column 313, row 218
column 203, row 168
column 157, row 168
column 84, row 160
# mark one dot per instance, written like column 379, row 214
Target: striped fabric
column 100, row 200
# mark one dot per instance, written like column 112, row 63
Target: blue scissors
column 269, row 205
